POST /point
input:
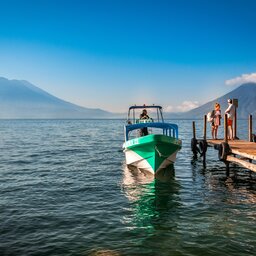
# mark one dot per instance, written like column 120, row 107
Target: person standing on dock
column 230, row 111
column 216, row 114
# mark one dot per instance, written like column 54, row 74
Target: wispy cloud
column 185, row 106
column 245, row 78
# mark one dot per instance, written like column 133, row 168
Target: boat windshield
column 153, row 114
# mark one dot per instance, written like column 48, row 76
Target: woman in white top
column 230, row 111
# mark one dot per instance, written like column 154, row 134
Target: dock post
column 205, row 126
column 194, row 129
column 235, row 103
column 205, row 142
column 235, row 124
column 250, row 128
column 226, row 128
column 194, row 147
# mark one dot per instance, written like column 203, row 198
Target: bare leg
column 213, row 132
column 230, row 132
column 216, row 131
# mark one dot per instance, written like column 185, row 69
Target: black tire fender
column 194, row 145
column 224, row 151
column 203, row 146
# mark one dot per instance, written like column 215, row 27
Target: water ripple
column 65, row 191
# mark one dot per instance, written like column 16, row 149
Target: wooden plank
column 243, row 153
column 244, row 149
column 238, row 147
column 241, row 162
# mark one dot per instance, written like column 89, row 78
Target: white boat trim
column 134, row 159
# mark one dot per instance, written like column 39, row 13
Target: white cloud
column 245, row 78
column 169, row 109
column 185, row 106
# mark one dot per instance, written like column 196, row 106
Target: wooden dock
column 236, row 151
column 240, row 152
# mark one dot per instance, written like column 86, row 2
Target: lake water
column 64, row 190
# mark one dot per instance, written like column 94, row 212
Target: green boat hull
column 152, row 152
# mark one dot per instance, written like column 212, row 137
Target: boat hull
column 151, row 153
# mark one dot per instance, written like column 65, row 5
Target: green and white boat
column 157, row 149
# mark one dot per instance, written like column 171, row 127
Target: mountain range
column 21, row 99
column 246, row 95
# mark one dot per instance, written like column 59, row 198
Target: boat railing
column 167, row 128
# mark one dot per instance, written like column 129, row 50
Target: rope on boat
column 159, row 153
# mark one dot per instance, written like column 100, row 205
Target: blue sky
column 111, row 54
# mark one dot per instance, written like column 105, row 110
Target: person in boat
column 230, row 111
column 144, row 115
column 216, row 120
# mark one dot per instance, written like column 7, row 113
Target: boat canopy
column 132, row 117
column 145, row 106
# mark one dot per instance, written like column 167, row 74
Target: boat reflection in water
column 154, row 203
column 133, row 175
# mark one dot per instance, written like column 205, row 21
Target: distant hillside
column 246, row 95
column 20, row 99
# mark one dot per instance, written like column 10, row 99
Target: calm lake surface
column 64, row 190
